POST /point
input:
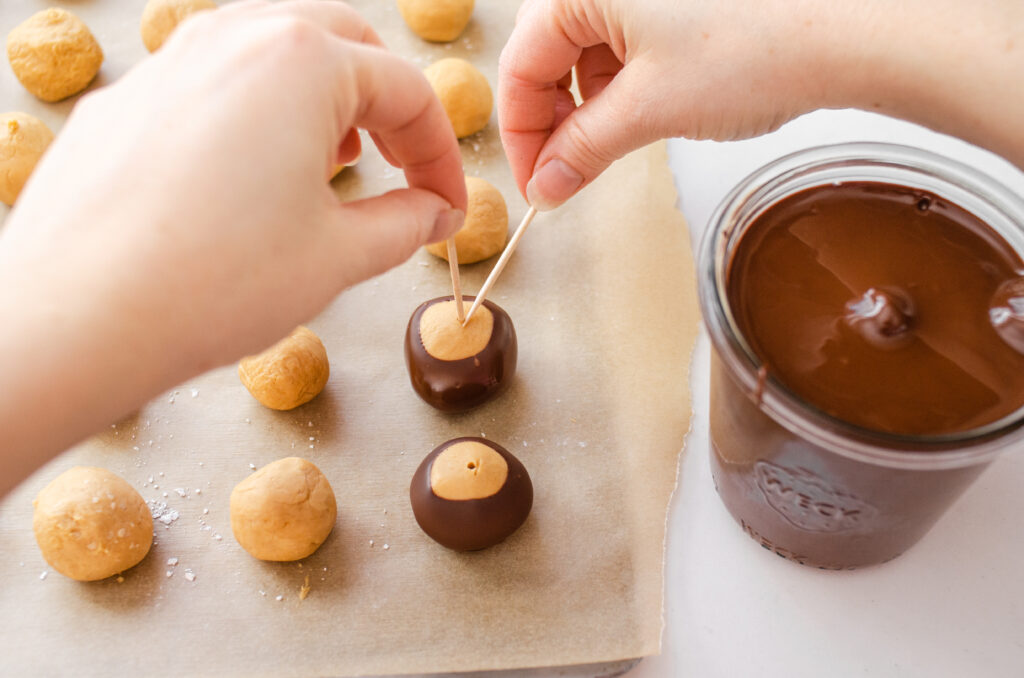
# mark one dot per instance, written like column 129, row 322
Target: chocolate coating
column 460, row 385
column 1007, row 313
column 472, row 524
column 882, row 317
column 930, row 343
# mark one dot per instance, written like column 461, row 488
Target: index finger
column 394, row 101
column 538, row 54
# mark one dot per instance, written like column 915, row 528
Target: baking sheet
column 602, row 296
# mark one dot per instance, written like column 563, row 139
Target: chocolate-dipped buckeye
column 455, row 368
column 470, row 493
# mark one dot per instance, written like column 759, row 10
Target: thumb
column 599, row 132
column 367, row 237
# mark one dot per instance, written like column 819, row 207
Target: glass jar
column 804, row 484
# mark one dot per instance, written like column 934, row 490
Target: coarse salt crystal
column 43, row 575
column 190, row 575
column 170, row 573
column 279, row 598
column 195, row 392
column 172, row 561
column 386, row 547
column 252, row 467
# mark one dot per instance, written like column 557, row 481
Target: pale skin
column 183, row 218
column 730, row 69
column 177, row 224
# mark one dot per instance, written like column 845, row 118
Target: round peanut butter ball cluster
column 161, row 17
column 288, row 374
column 90, row 524
column 23, row 140
column 436, row 20
column 486, row 227
column 470, row 493
column 464, row 93
column 284, row 511
column 54, row 54
column 455, row 368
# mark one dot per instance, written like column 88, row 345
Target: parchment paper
column 602, row 296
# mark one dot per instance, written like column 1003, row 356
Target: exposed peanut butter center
column 468, row 470
column 445, row 338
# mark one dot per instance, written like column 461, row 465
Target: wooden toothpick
column 453, row 266
column 500, row 266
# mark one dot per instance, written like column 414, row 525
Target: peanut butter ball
column 486, row 228
column 464, row 94
column 54, row 54
column 436, row 20
column 161, row 17
column 284, row 511
column 288, row 374
column 455, row 368
column 24, row 140
column 90, row 524
column 470, row 493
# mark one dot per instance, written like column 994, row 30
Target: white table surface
column 951, row 606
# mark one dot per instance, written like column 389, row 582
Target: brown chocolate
column 872, row 303
column 460, row 385
column 472, row 524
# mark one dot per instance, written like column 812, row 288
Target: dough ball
column 470, row 493
column 284, row 511
column 90, row 524
column 455, row 368
column 436, row 20
column 161, row 17
column 288, row 374
column 54, row 54
column 464, row 93
column 23, row 141
column 486, row 228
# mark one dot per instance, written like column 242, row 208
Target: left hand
column 183, row 217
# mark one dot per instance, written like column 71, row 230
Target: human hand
column 645, row 71
column 202, row 175
column 183, row 217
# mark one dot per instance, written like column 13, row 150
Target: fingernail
column 553, row 184
column 447, row 224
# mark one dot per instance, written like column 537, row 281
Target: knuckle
column 588, row 152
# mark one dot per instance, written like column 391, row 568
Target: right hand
column 646, row 71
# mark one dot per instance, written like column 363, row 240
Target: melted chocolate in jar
column 884, row 306
column 875, row 303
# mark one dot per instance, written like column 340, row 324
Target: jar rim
column 832, row 163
